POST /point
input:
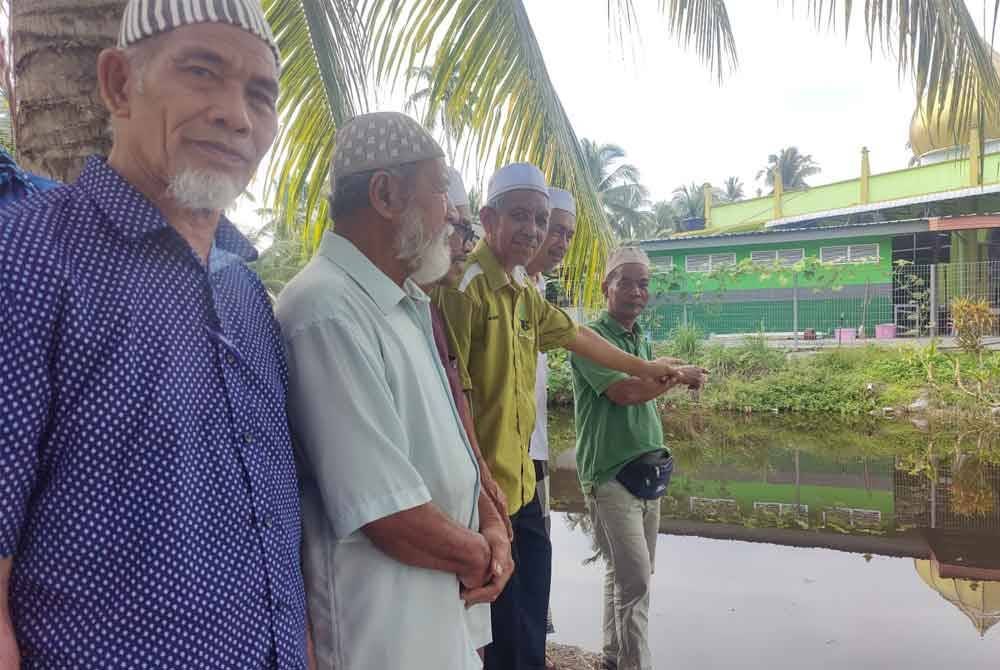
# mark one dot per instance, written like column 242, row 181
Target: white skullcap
column 516, row 177
column 561, row 199
column 147, row 18
column 457, row 195
column 379, row 141
column 623, row 256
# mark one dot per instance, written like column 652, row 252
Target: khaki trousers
column 625, row 529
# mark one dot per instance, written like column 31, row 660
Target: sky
column 794, row 85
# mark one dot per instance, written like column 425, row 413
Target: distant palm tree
column 622, row 196
column 452, row 119
column 627, row 213
column 339, row 53
column 795, row 168
column 689, row 201
column 732, row 190
column 663, row 219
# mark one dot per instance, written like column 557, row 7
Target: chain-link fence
column 914, row 301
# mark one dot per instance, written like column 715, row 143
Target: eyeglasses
column 465, row 229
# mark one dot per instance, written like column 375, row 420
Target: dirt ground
column 566, row 657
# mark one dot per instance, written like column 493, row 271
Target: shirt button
column 267, row 521
column 230, row 359
column 248, row 438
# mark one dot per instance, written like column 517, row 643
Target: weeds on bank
column 754, row 377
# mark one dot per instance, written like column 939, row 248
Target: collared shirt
column 539, row 448
column 149, row 494
column 498, row 324
column 376, row 433
column 478, row 615
column 16, row 183
column 608, row 435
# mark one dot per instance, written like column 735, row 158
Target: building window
column 785, row 257
column 854, row 253
column 663, row 262
column 789, row 257
column 708, row 262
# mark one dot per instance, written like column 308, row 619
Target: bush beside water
column 755, row 377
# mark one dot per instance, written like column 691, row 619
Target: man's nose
column 231, row 112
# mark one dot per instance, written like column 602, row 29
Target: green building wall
column 945, row 176
column 764, row 300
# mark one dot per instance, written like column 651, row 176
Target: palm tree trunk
column 60, row 118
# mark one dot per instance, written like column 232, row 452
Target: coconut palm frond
column 487, row 61
column 937, row 43
column 324, row 83
column 705, row 24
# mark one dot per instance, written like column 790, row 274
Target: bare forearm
column 489, row 515
column 593, row 347
column 636, row 391
column 10, row 658
column 425, row 538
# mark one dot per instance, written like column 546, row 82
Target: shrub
column 685, row 342
column 560, row 378
column 972, row 320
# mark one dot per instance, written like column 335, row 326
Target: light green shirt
column 497, row 325
column 608, row 435
column 376, row 432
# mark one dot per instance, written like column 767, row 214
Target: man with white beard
column 398, row 535
column 149, row 511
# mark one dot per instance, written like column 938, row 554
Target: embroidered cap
column 148, row 18
column 562, row 199
column 623, row 256
column 379, row 141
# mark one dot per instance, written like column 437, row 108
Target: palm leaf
column 937, row 42
column 485, row 57
column 705, row 23
column 324, row 83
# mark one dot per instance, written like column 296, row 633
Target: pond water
column 820, row 543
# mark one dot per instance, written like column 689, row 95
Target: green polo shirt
column 497, row 324
column 608, row 435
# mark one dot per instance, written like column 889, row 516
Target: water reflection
column 913, row 512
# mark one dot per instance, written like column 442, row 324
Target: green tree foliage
column 484, row 55
column 732, row 190
column 794, row 167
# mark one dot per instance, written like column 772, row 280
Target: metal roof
column 901, row 227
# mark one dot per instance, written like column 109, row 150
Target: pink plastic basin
column 885, row 331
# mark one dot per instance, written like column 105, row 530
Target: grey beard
column 202, row 190
column 428, row 259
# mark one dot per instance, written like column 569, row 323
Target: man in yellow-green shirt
column 498, row 323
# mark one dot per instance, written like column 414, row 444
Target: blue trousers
column 519, row 614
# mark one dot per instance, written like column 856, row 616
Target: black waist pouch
column 647, row 476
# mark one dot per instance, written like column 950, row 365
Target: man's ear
column 604, row 288
column 488, row 219
column 114, row 74
column 385, row 193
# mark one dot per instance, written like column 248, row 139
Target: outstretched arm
column 596, row 349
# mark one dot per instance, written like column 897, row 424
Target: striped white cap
column 146, row 18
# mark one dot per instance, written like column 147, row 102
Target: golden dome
column 978, row 600
column 930, row 132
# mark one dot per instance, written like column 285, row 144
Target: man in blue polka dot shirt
column 149, row 514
